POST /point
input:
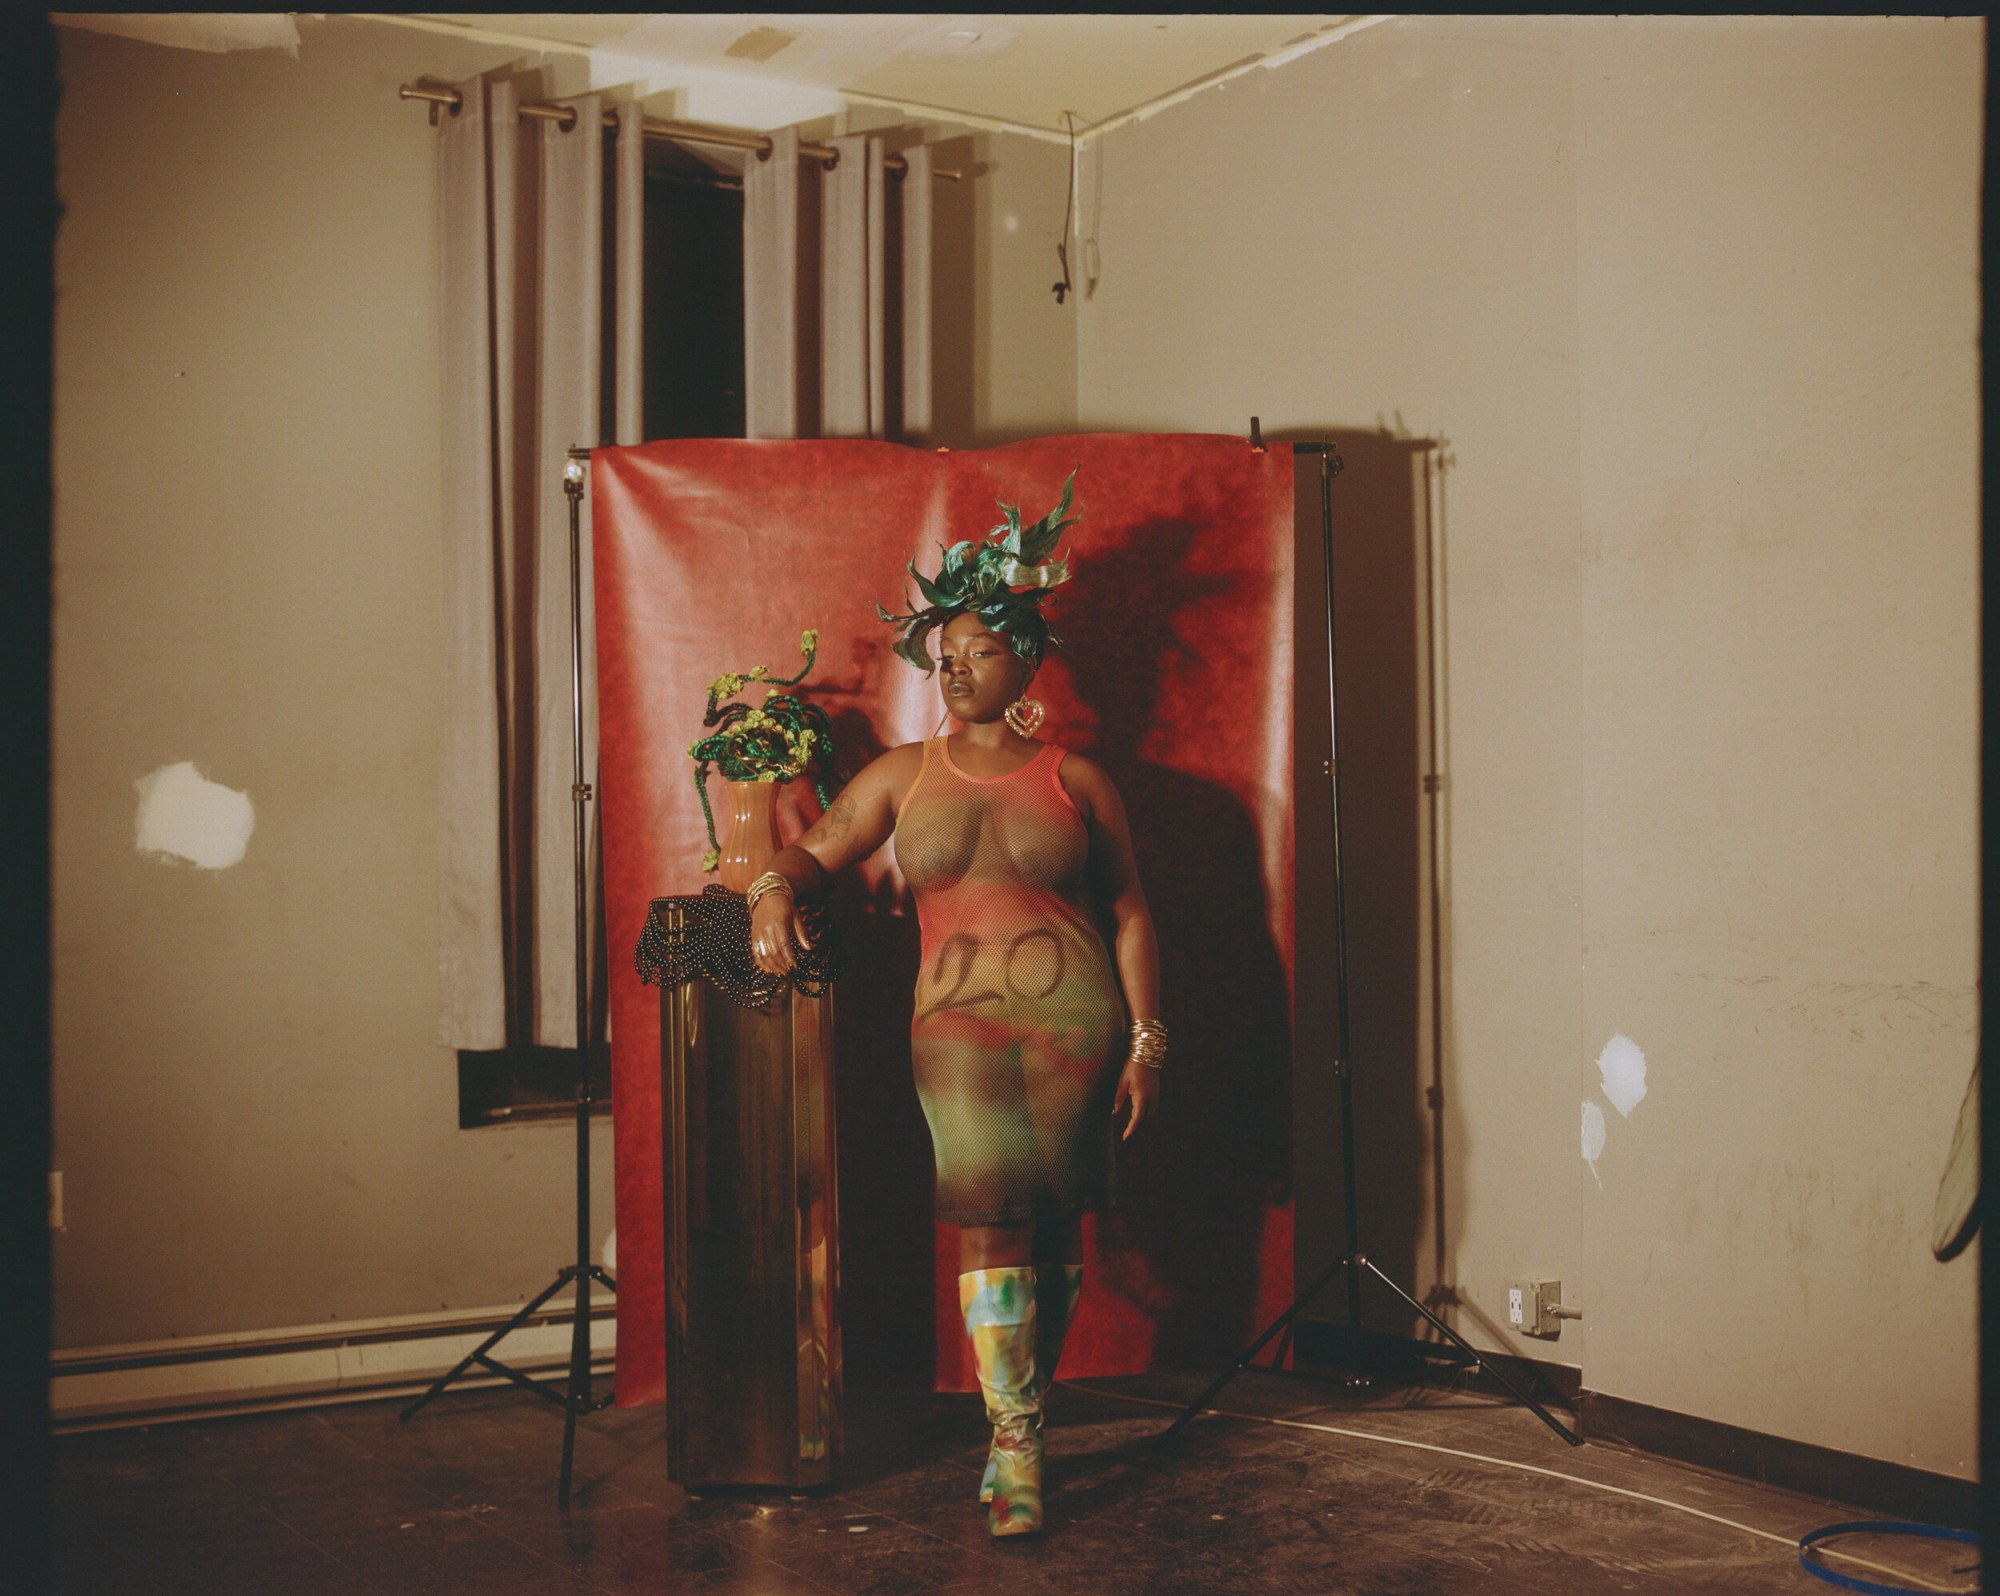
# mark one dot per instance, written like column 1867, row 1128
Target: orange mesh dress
column 1017, row 1002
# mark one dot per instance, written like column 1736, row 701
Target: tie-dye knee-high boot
column 999, row 1308
column 1057, row 1287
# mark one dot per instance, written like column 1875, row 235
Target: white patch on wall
column 609, row 1256
column 1593, row 1139
column 183, row 815
column 1623, row 1068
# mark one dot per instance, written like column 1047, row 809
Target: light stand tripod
column 576, row 1394
column 1356, row 1264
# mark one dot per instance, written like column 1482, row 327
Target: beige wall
column 255, row 1124
column 1693, row 306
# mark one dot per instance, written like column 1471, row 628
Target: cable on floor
column 1872, row 1526
column 1785, row 1541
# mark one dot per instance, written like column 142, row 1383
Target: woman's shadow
column 1143, row 636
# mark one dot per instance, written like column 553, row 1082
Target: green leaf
column 930, row 590
column 1012, row 542
column 912, row 649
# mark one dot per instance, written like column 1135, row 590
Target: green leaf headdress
column 1002, row 578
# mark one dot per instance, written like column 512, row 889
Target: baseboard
column 1405, row 1360
column 156, row 1382
column 1895, row 1489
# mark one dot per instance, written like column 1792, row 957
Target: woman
column 1004, row 840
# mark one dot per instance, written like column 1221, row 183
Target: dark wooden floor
column 346, row 1499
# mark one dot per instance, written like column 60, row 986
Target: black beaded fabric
column 715, row 942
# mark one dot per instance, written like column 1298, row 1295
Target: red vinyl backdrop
column 712, row 556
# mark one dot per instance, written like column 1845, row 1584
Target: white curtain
column 629, row 317
column 851, row 304
column 918, row 416
column 771, row 289
column 851, row 283
column 522, row 351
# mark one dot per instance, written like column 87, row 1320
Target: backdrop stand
column 1356, row 1264
column 575, row 1396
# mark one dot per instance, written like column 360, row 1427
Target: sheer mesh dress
column 1017, row 1004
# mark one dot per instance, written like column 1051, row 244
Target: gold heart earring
column 1025, row 715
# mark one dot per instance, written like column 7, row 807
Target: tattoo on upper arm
column 835, row 824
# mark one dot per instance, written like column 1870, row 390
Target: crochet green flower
column 774, row 740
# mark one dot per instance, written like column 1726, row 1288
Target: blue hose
column 1875, row 1526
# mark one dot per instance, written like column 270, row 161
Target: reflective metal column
column 752, row 1238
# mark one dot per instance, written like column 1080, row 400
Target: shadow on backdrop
column 1194, row 1185
column 882, row 1141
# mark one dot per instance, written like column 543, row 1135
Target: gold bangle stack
column 770, row 881
column 1149, row 1043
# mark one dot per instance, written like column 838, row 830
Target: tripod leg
column 579, row 1384
column 1255, row 1347
column 478, row 1353
column 1512, row 1390
column 545, row 1389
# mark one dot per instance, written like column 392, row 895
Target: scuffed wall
column 1689, row 309
column 255, row 1124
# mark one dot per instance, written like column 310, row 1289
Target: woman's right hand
column 773, row 924
column 855, row 825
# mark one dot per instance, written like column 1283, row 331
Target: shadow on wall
column 1385, row 576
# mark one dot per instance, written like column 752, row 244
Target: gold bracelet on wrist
column 770, row 881
column 1149, row 1043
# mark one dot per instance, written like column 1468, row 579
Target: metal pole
column 1354, row 1262
column 579, row 1344
column 1329, row 468
column 659, row 128
column 576, row 1397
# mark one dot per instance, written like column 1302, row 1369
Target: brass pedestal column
column 752, row 1239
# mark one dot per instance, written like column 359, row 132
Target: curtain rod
column 683, row 132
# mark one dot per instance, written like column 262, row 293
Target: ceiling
column 1027, row 71
column 1022, row 70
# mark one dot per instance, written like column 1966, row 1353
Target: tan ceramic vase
column 750, row 832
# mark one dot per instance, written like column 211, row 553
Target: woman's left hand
column 1138, row 1086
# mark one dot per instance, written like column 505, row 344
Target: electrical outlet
column 56, row 1201
column 1535, row 1307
